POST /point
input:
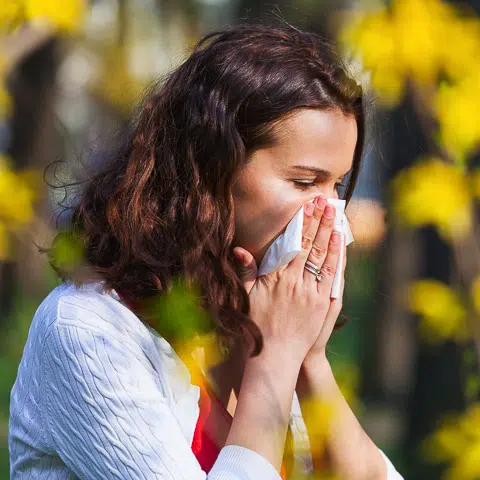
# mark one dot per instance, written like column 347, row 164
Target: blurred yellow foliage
column 4, row 242
column 443, row 315
column 66, row 15
column 457, row 106
column 410, row 39
column 457, row 441
column 476, row 183
column 5, row 100
column 17, row 194
column 318, row 415
column 18, row 191
column 434, row 192
column 116, row 85
column 10, row 13
column 476, row 294
column 413, row 38
column 67, row 252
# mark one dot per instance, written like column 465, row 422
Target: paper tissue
column 289, row 243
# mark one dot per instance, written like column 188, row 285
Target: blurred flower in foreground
column 457, row 442
column 180, row 318
column 443, row 315
column 318, row 415
column 67, row 252
column 434, row 192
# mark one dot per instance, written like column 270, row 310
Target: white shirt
column 100, row 395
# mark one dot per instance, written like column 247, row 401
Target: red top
column 204, row 444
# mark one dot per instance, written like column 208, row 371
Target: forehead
column 325, row 139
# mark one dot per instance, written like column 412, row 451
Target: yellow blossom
column 66, row 15
column 433, row 192
column 372, row 35
column 457, row 108
column 457, row 442
column 17, row 194
column 10, row 13
column 419, row 28
column 418, row 39
column 443, row 315
column 476, row 293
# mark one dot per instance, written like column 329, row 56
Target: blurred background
column 72, row 70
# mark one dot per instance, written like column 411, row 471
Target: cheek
column 264, row 216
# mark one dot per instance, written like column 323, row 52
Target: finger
column 320, row 245
column 247, row 267
column 307, row 218
column 329, row 266
column 298, row 263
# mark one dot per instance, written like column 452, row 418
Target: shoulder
column 90, row 307
column 89, row 322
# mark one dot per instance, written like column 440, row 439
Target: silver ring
column 310, row 267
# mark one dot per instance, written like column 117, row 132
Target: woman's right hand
column 289, row 305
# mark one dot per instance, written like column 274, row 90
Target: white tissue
column 286, row 246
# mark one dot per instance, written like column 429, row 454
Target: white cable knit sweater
column 100, row 395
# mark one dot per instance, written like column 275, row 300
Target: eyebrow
column 326, row 174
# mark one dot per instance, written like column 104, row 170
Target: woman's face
column 313, row 152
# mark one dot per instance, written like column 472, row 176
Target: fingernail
column 319, row 201
column 329, row 211
column 309, row 208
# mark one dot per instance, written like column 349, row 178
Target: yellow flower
column 66, row 15
column 457, row 108
column 10, row 13
column 419, row 39
column 476, row 293
column 443, row 314
column 17, row 194
column 433, row 192
column 457, row 441
column 372, row 35
column 419, row 28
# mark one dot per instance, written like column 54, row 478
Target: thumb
column 247, row 267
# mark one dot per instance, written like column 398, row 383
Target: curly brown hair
column 164, row 208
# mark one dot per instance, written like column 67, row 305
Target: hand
column 289, row 305
column 318, row 350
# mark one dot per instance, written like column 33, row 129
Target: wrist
column 315, row 376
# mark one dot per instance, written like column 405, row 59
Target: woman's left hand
column 248, row 274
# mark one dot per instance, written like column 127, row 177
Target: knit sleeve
column 108, row 418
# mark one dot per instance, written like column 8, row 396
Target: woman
column 257, row 122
